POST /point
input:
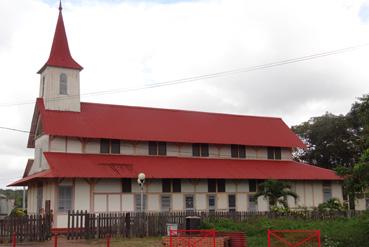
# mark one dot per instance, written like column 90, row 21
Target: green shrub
column 340, row 232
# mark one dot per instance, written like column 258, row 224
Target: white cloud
column 132, row 44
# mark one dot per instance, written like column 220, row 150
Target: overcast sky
column 132, row 44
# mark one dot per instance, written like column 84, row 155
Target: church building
column 88, row 155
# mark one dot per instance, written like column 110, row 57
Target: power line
column 12, row 129
column 206, row 76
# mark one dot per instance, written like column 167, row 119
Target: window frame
column 63, row 84
column 254, row 183
column 232, row 208
column 65, row 209
column 109, row 146
column 168, row 209
column 156, row 148
column 274, row 153
column 126, row 185
column 238, row 151
column 200, row 149
column 327, row 190
column 193, row 202
column 214, row 207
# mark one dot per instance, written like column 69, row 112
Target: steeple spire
column 60, row 55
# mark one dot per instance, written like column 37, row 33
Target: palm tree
column 276, row 192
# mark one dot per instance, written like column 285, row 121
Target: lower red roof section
column 68, row 165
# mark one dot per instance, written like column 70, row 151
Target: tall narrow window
column 104, row 146
column 232, row 203
column 65, row 198
column 43, row 86
column 253, row 204
column 166, row 185
column 200, row 149
column 115, row 146
column 211, row 203
column 212, row 185
column 177, row 185
column 63, row 84
column 238, row 151
column 221, row 185
column 189, row 203
column 274, row 153
column 327, row 191
column 252, row 185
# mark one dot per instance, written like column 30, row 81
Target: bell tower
column 59, row 77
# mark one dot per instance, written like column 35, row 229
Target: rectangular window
column 162, row 148
column 216, row 185
column 65, row 198
column 327, row 191
column 109, row 146
column 212, row 185
column 200, row 149
column 115, row 146
column 166, row 203
column 157, row 148
column 253, row 204
column 166, row 185
column 232, row 203
column 177, row 185
column 104, row 146
column 126, row 185
column 138, row 203
column 238, row 151
column 252, row 185
column 274, row 153
column 221, row 185
column 204, row 150
column 211, row 203
column 189, row 203
column 195, row 149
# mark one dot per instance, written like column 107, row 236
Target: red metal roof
column 145, row 124
column 68, row 165
column 60, row 55
column 34, row 177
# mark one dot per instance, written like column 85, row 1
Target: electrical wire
column 205, row 76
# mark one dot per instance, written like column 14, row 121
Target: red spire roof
column 60, row 55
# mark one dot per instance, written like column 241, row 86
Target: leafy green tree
column 276, row 192
column 330, row 141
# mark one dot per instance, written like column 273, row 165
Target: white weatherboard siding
column 69, row 102
column 100, row 203
column 82, row 195
column 153, row 203
column 177, row 202
column 108, row 186
column 61, row 221
column 200, row 201
column 127, row 202
column 114, row 202
column 337, row 190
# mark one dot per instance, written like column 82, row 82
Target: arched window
column 63, row 84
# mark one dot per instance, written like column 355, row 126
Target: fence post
column 108, row 241
column 14, row 240
column 55, row 240
column 269, row 238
